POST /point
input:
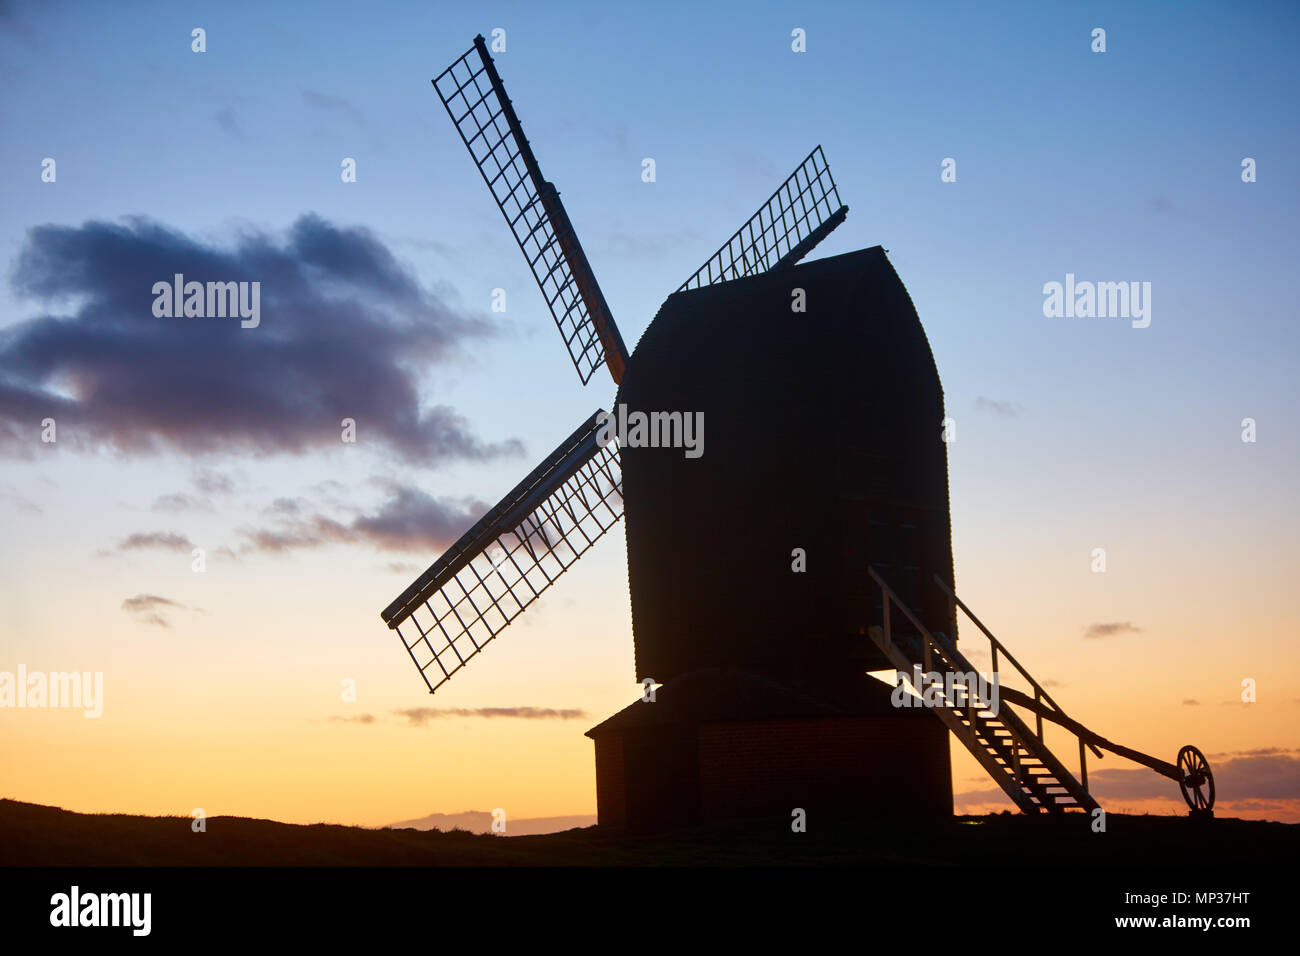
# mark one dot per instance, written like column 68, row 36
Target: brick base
column 662, row 776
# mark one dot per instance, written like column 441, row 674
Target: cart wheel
column 1197, row 781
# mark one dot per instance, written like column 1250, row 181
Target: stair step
column 1002, row 742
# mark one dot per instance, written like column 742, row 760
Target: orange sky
column 237, row 708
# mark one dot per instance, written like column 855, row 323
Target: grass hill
column 33, row 835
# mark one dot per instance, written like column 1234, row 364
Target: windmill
column 546, row 522
column 758, row 572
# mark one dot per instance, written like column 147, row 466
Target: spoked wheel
column 1197, row 782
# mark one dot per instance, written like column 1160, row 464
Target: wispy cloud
column 333, row 104
column 225, row 118
column 1111, row 628
column 164, row 540
column 1266, row 781
column 19, row 501
column 180, row 502
column 409, row 520
column 148, row 608
column 420, row 716
column 1002, row 409
column 642, row 247
column 358, row 719
column 211, row 482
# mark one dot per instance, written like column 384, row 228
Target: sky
column 223, row 689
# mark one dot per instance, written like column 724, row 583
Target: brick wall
column 890, row 764
column 611, row 786
column 893, row 764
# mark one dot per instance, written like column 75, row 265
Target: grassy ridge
column 33, row 835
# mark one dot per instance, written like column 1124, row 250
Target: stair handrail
column 949, row 653
column 1039, row 690
column 927, row 639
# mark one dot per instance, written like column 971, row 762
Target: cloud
column 1189, row 702
column 413, row 520
column 643, row 247
column 213, row 482
column 410, row 520
column 165, row 540
column 333, row 104
column 225, row 118
column 19, row 501
column 1257, row 752
column 1266, row 777
column 148, row 607
column 1113, row 627
column 345, row 331
column 180, row 502
column 1003, row 409
column 11, row 22
column 1263, row 782
column 358, row 719
column 147, row 602
column 420, row 716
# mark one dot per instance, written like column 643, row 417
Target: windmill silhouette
column 809, row 545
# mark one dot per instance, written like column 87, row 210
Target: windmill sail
column 803, row 211
column 511, row 555
column 476, row 101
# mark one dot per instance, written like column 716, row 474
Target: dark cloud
column 1113, row 627
column 358, row 719
column 345, row 331
column 420, row 716
column 166, row 540
column 410, row 520
column 1003, row 409
column 1190, row 702
column 148, row 606
column 414, row 520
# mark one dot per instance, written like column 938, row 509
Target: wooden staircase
column 1017, row 758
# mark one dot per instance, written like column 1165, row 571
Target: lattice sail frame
column 513, row 554
column 472, row 93
column 802, row 212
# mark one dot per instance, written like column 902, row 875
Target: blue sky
column 1119, row 166
column 1115, row 165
